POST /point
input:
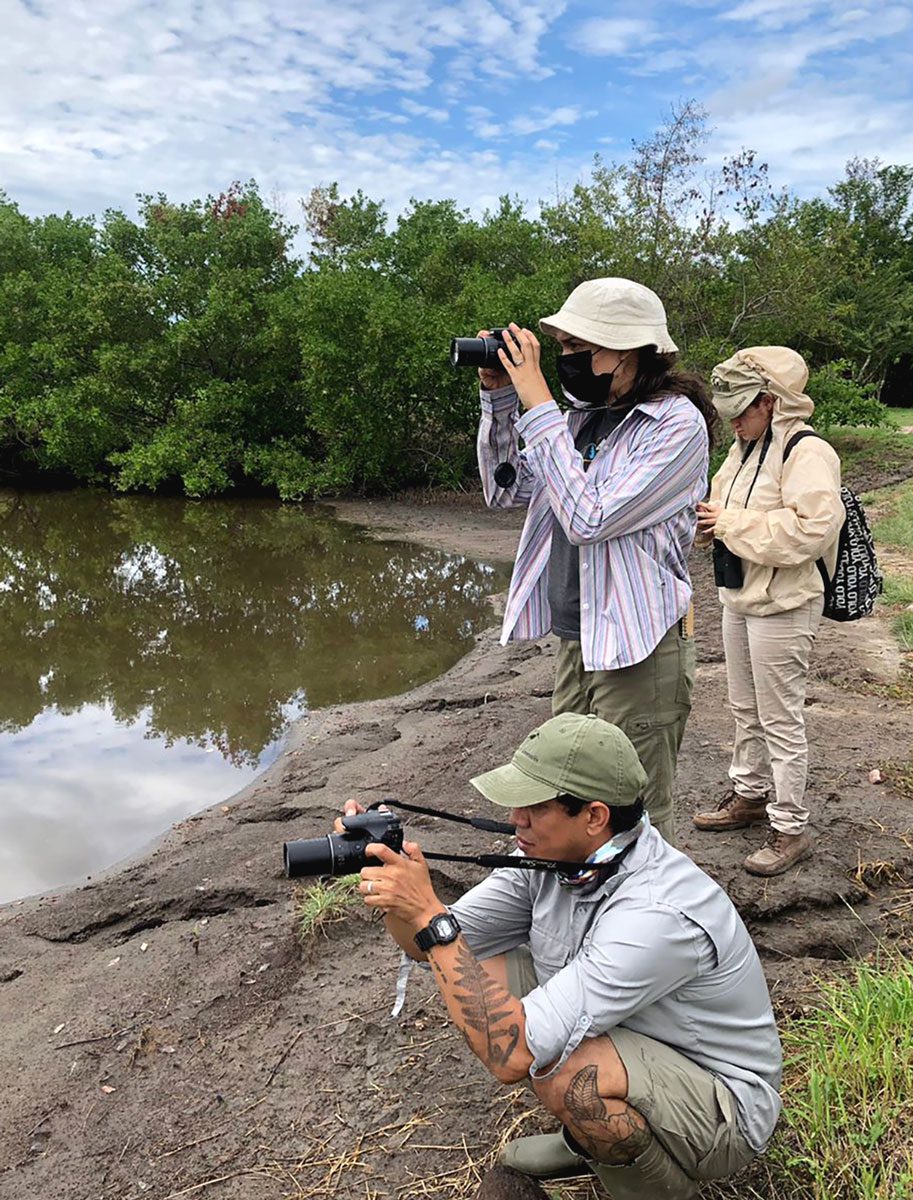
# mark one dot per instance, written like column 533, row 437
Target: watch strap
column 431, row 936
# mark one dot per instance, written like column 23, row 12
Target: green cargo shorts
column 691, row 1112
column 650, row 701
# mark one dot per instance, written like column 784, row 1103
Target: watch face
column 445, row 927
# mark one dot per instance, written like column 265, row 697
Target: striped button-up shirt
column 632, row 514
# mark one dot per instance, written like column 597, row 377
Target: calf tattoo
column 485, row 1008
column 611, row 1130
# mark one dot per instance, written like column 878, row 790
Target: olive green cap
column 574, row 755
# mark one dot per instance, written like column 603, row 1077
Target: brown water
column 152, row 652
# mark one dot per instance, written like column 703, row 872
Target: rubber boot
column 543, row 1156
column 653, row 1176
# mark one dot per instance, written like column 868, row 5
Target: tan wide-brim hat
column 616, row 313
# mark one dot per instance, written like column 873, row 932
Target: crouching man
column 628, row 992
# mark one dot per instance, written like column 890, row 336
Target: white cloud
column 568, row 115
column 612, row 35
column 467, row 98
column 486, row 124
column 424, row 110
column 809, row 134
column 184, row 98
column 775, row 14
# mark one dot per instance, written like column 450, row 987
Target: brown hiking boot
column 782, row 851
column 732, row 812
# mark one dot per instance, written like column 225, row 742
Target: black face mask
column 575, row 372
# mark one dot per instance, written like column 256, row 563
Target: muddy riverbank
column 165, row 1036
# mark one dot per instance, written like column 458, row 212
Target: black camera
column 343, row 853
column 727, row 567
column 479, row 351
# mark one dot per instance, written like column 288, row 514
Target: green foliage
column 840, row 400
column 188, row 350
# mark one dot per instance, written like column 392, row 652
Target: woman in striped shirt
column 611, row 488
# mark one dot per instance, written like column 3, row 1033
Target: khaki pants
column 767, row 668
column 691, row 1113
column 650, row 701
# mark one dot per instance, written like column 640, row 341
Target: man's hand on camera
column 402, row 887
column 352, row 808
column 490, row 377
column 522, row 366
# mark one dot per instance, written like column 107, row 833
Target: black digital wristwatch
column 440, row 931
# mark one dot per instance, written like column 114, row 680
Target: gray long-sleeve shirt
column 659, row 949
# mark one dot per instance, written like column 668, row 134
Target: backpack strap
column 797, row 437
column 787, row 450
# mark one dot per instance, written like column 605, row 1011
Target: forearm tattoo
column 611, row 1130
column 484, row 1008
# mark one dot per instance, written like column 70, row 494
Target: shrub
column 840, row 400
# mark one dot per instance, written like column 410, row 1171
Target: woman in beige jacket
column 770, row 522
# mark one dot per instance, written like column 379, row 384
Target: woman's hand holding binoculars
column 521, row 362
column 490, row 377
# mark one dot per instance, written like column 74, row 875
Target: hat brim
column 509, row 787
column 611, row 336
column 732, row 404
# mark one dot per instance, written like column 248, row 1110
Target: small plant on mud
column 322, row 903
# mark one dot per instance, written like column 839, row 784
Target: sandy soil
column 164, row 1034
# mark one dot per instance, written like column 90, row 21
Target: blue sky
column 100, row 99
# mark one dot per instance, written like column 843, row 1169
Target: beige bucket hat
column 616, row 313
column 742, row 378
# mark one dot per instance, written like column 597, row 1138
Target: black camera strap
column 522, row 864
column 765, row 446
column 485, row 860
column 475, row 822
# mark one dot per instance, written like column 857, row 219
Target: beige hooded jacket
column 794, row 512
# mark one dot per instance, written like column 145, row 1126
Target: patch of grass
column 872, row 453
column 900, row 416
column 898, row 594
column 894, row 526
column 898, row 775
column 903, row 630
column 898, row 589
column 322, row 903
column 848, row 1079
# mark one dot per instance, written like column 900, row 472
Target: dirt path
column 164, row 1036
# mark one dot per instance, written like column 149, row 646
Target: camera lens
column 309, row 856
column 343, row 853
column 477, row 351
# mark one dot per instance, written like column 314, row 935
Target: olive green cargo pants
column 650, row 701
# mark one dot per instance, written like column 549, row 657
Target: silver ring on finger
column 518, row 362
column 370, row 887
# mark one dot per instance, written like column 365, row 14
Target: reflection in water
column 139, row 635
